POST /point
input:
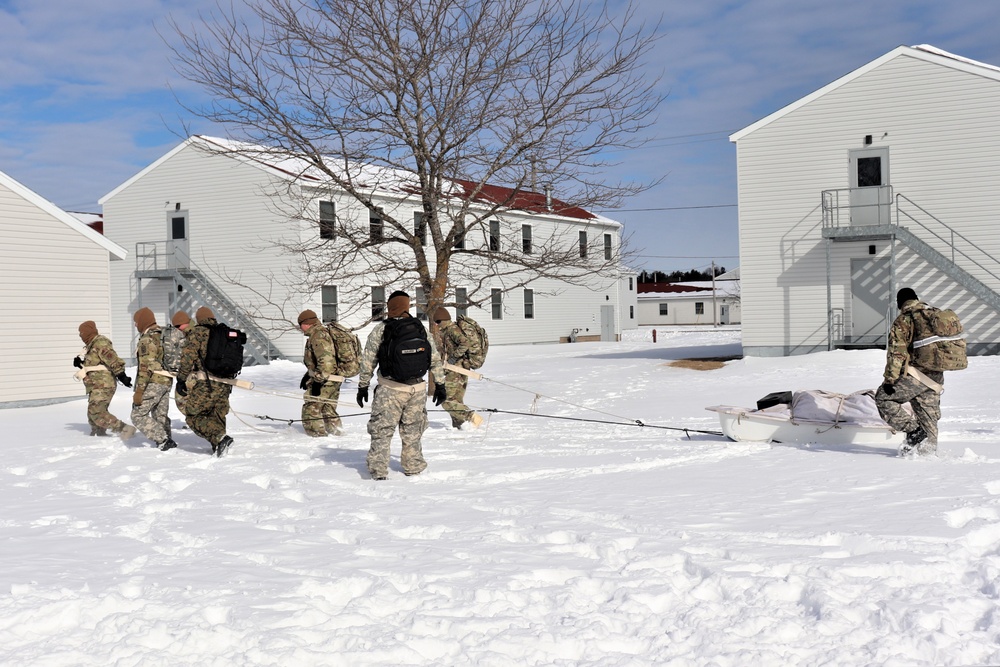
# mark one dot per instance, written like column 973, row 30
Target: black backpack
column 224, row 352
column 405, row 352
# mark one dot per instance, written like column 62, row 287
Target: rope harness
column 623, row 421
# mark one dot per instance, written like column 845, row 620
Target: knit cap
column 180, row 318
column 308, row 317
column 399, row 303
column 143, row 318
column 204, row 313
column 88, row 331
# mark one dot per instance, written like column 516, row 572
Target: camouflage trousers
column 206, row 409
column 320, row 417
column 406, row 408
column 152, row 415
column 180, row 402
column 455, row 385
column 98, row 401
column 926, row 404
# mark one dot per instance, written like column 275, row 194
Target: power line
column 664, row 208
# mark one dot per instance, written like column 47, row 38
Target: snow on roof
column 380, row 178
column 700, row 289
column 924, row 52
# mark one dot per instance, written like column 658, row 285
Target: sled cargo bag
column 775, row 398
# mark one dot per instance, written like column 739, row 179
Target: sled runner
column 817, row 416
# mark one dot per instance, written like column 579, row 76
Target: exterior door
column 871, row 289
column 608, row 323
column 177, row 240
column 724, row 314
column 869, row 182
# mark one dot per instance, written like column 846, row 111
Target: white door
column 869, row 182
column 608, row 323
column 177, row 240
column 870, row 291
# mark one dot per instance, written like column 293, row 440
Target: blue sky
column 87, row 96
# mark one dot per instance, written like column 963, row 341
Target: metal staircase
column 938, row 244
column 158, row 261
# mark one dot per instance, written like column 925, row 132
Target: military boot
column 167, row 444
column 126, row 432
column 98, row 431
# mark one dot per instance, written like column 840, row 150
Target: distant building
column 55, row 273
column 691, row 302
column 829, row 230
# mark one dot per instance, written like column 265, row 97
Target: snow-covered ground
column 532, row 541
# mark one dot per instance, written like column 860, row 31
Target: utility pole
column 715, row 315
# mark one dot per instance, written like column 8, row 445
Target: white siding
column 53, row 279
column 939, row 124
column 231, row 224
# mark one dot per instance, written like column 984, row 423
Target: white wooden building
column 203, row 226
column 699, row 302
column 886, row 177
column 55, row 273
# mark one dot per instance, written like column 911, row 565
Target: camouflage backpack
column 348, row 350
column 173, row 346
column 479, row 342
column 941, row 343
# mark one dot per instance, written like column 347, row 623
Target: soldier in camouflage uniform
column 900, row 387
column 454, row 346
column 402, row 404
column 319, row 417
column 182, row 321
column 100, row 366
column 207, row 401
column 151, row 399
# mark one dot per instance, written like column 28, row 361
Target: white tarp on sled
column 815, row 416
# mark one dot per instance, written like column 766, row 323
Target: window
column 178, row 227
column 664, row 309
column 494, row 235
column 526, row 239
column 699, row 307
column 460, row 238
column 529, row 304
column 327, row 220
column 329, row 303
column 378, row 303
column 421, row 303
column 607, row 246
column 375, row 228
column 496, row 299
column 631, row 312
column 420, row 227
column 461, row 302
column 583, row 244
column 630, row 284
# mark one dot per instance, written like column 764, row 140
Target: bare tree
column 436, row 99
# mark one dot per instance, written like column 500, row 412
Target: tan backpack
column 941, row 346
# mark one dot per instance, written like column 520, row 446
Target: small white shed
column 54, row 274
column 886, row 177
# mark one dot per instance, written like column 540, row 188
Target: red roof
column 523, row 200
column 669, row 288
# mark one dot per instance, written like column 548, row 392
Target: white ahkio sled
column 810, row 417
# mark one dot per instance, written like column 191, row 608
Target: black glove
column 888, row 389
column 439, row 394
column 362, row 396
column 304, row 382
column 78, row 362
column 315, row 388
column 182, row 388
column 124, row 379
